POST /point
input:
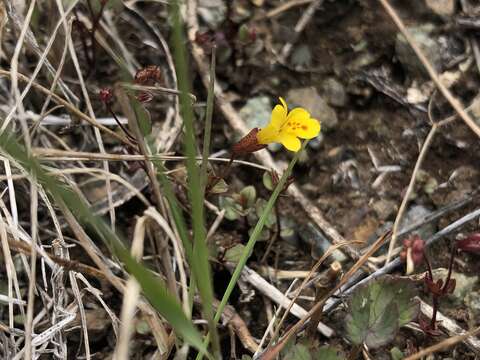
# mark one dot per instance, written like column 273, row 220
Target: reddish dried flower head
column 470, row 244
column 248, row 144
column 415, row 245
column 144, row 97
column 148, row 76
column 106, row 95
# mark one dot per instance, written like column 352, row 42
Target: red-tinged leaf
column 470, row 244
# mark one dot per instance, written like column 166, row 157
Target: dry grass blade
column 271, row 353
column 431, row 71
column 70, row 107
column 403, row 205
column 315, row 267
column 130, row 298
column 442, row 345
column 29, row 349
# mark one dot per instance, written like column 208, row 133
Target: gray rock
column 384, row 208
column 287, row 230
column 415, row 214
column 309, row 99
column 315, row 143
column 314, row 238
column 334, row 92
column 441, row 7
column 256, row 112
column 473, row 302
column 427, row 43
column 212, row 12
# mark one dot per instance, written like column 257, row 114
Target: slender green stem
column 200, row 265
column 208, row 122
column 252, row 240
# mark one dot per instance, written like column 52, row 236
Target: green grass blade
column 153, row 288
column 200, row 264
column 253, row 239
column 208, row 122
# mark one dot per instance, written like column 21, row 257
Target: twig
column 272, row 321
column 443, row 344
column 284, row 7
column 69, row 107
column 270, row 291
column 315, row 267
column 69, row 265
column 449, row 325
column 388, row 268
column 271, row 353
column 413, row 178
column 431, row 71
column 230, row 316
column 299, row 27
column 29, row 349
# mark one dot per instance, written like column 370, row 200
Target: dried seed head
column 144, row 97
column 106, row 96
column 148, row 76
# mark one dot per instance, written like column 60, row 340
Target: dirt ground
column 348, row 64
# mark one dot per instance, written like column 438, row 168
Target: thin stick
column 69, row 107
column 388, row 268
column 431, row 71
column 315, row 267
column 299, row 27
column 33, row 261
column 271, row 353
column 413, row 178
column 284, row 7
column 443, row 344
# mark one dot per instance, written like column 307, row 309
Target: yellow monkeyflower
column 287, row 127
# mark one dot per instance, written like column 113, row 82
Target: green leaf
column 378, row 309
column 260, row 208
column 232, row 208
column 234, row 253
column 298, row 352
column 220, row 187
column 247, row 196
column 396, row 353
column 328, row 353
column 267, row 180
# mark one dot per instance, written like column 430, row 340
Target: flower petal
column 301, row 124
column 268, row 134
column 290, row 141
column 278, row 116
column 308, row 129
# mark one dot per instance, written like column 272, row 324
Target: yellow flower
column 287, row 127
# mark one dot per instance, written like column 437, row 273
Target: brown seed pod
column 248, row 144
